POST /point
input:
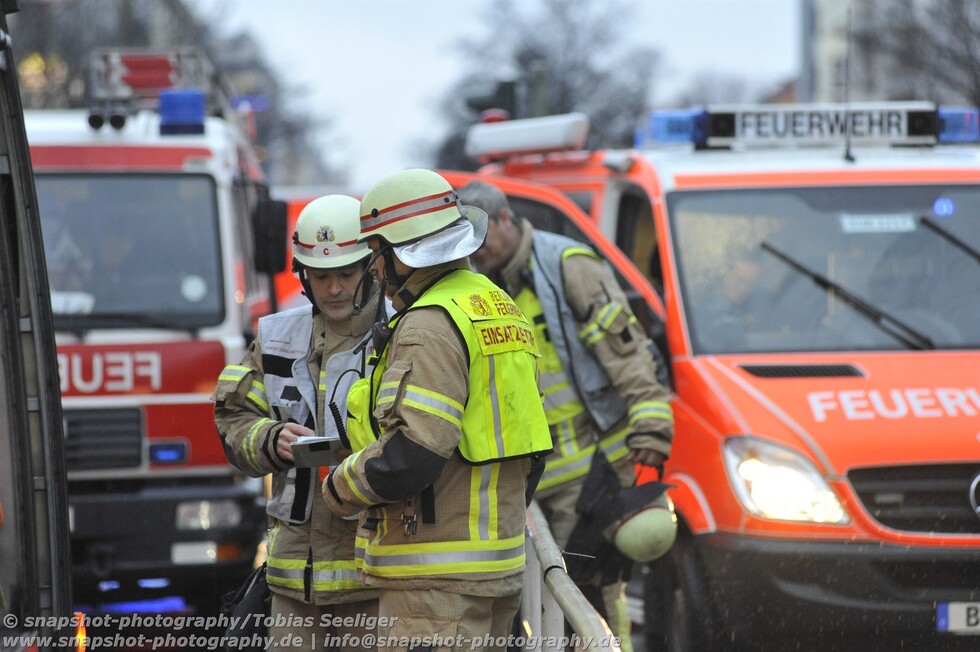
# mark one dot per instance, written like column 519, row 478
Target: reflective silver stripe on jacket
column 419, row 559
column 343, row 575
column 558, row 398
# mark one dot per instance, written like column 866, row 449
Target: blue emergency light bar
column 959, row 125
column 182, row 111
column 796, row 125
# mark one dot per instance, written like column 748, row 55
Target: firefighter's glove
column 647, row 457
column 648, row 448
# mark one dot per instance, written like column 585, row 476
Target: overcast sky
column 378, row 68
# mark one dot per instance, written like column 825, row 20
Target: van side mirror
column 271, row 239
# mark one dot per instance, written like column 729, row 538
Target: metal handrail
column 551, row 597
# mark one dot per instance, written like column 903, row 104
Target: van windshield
column 127, row 251
column 829, row 268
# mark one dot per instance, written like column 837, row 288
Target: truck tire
column 676, row 607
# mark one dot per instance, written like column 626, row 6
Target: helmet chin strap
column 304, row 280
column 391, row 276
column 364, row 285
column 380, row 332
column 362, row 291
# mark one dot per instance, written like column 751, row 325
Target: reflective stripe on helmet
column 327, row 250
column 377, row 219
column 327, row 232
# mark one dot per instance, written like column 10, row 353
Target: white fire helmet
column 327, row 232
column 419, row 214
column 648, row 533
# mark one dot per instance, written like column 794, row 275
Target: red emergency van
column 820, row 272
column 160, row 243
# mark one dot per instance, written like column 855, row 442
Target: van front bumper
column 808, row 590
column 127, row 546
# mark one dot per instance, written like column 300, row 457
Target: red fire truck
column 161, row 244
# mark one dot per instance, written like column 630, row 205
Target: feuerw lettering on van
column 184, row 367
column 820, row 124
column 898, row 403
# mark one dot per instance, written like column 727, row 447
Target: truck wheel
column 676, row 609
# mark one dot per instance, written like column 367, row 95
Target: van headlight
column 208, row 514
column 775, row 482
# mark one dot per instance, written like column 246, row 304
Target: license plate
column 958, row 617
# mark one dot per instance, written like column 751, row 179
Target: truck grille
column 103, row 439
column 922, row 498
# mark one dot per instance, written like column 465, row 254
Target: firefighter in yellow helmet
column 605, row 406
column 456, row 420
column 292, row 381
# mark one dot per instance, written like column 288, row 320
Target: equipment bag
column 247, row 610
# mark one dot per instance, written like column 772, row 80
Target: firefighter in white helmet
column 459, row 422
column 605, row 406
column 293, row 382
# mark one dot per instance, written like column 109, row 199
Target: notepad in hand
column 315, row 451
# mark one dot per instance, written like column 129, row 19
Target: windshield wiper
column 951, row 237
column 904, row 333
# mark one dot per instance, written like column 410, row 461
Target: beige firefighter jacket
column 629, row 365
column 324, row 538
column 415, row 466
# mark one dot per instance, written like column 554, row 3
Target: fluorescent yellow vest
column 503, row 355
column 503, row 419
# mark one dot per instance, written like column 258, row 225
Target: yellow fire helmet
column 327, row 232
column 419, row 214
column 648, row 533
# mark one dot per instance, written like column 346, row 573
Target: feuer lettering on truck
column 918, row 403
column 109, row 371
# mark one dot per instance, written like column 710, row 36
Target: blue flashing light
column 257, row 103
column 182, row 111
column 153, row 583
column 675, row 126
column 943, row 207
column 959, row 125
column 170, row 604
column 108, row 585
column 169, row 453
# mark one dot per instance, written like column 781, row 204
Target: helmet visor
column 458, row 240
